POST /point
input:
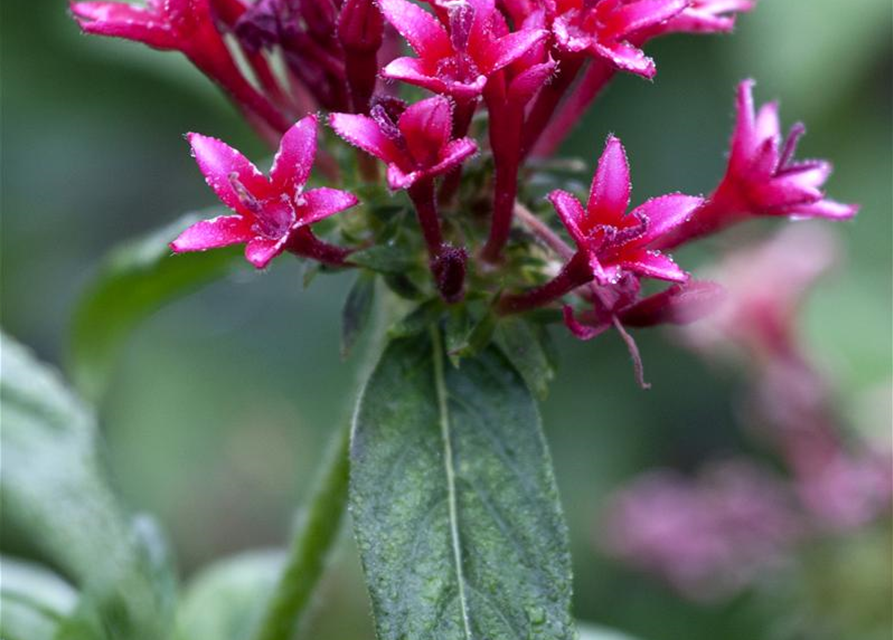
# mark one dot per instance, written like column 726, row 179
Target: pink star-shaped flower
column 602, row 28
column 455, row 61
column 415, row 143
column 763, row 169
column 272, row 214
column 613, row 241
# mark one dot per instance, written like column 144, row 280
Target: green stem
column 310, row 549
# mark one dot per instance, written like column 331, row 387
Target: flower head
column 603, row 28
column 271, row 215
column 456, row 59
column 413, row 141
column 763, row 168
column 612, row 240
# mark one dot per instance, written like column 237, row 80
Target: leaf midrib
column 445, row 430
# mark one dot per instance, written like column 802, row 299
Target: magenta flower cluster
column 531, row 67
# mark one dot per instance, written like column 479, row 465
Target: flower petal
column 609, row 193
column 422, row 31
column 221, row 164
column 452, row 155
column 316, row 204
column 221, row 231
column 580, row 330
column 744, row 138
column 825, row 209
column 414, row 71
column 294, row 160
column 642, row 14
column 122, row 20
column 363, row 132
column 664, row 214
column 260, row 251
column 572, row 215
column 507, row 49
column 653, row 264
column 627, row 58
column 426, row 126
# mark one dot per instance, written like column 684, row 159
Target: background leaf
column 34, row 601
column 225, row 601
column 135, row 280
column 55, row 491
column 454, row 504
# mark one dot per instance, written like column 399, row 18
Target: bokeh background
column 224, row 400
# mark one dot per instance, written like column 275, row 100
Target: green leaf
column 454, row 504
column 55, row 491
column 225, row 601
column 387, row 259
column 135, row 280
column 357, row 310
column 523, row 344
column 34, row 601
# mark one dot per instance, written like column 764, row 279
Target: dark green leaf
column 225, row 601
column 55, row 490
column 523, row 344
column 388, row 259
column 33, row 600
column 454, row 504
column 356, row 311
column 418, row 320
column 135, row 281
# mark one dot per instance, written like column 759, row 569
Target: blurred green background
column 224, row 400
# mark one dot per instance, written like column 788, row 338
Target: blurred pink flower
column 709, row 536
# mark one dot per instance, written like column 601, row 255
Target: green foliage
column 454, row 505
column 135, row 280
column 34, row 601
column 357, row 310
column 225, row 600
column 55, row 491
column 593, row 632
column 528, row 348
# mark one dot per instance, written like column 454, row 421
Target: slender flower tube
column 186, row 26
column 507, row 94
column 415, row 143
column 361, row 33
column 271, row 215
column 762, row 178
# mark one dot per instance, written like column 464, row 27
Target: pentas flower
column 456, row 60
column 416, row 144
column 271, row 215
column 613, row 241
column 762, row 178
column 609, row 241
column 603, row 28
column 186, row 26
